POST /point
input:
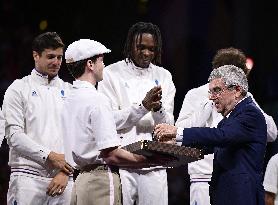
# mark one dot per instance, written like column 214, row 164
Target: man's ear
column 238, row 90
column 90, row 64
column 35, row 55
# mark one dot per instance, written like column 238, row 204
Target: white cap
column 83, row 49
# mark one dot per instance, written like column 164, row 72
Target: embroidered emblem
column 34, row 93
column 62, row 92
column 156, row 82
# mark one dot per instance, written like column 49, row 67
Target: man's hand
column 57, row 161
column 269, row 198
column 58, row 184
column 165, row 133
column 152, row 99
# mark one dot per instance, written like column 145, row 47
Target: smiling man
column 32, row 108
column 135, row 86
column 198, row 111
column 239, row 140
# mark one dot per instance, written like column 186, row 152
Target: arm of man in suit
column 244, row 127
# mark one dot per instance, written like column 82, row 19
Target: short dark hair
column 47, row 40
column 230, row 56
column 77, row 68
column 136, row 31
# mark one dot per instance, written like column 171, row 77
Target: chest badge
column 34, row 93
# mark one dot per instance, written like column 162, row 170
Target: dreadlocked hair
column 136, row 32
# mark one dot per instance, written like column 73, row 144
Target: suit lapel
column 239, row 106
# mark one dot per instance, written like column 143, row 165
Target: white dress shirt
column 88, row 125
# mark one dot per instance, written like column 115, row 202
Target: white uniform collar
column 82, row 84
column 43, row 79
column 138, row 70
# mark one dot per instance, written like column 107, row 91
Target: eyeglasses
column 217, row 91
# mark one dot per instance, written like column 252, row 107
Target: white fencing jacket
column 198, row 111
column 2, row 127
column 32, row 109
column 126, row 86
column 271, row 177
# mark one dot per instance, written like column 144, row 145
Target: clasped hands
column 57, row 161
column 165, row 133
column 58, row 184
column 152, row 99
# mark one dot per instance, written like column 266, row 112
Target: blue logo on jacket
column 63, row 94
column 34, row 93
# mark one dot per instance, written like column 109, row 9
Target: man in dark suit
column 239, row 140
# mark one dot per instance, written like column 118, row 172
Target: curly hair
column 230, row 56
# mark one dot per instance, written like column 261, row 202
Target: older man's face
column 224, row 98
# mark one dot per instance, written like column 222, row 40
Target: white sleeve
column 2, row 127
column 128, row 117
column 195, row 111
column 271, row 175
column 124, row 118
column 13, row 110
column 271, row 126
column 165, row 114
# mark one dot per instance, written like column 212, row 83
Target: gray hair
column 231, row 75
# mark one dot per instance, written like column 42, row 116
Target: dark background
column 192, row 31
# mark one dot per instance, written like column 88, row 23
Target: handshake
column 165, row 133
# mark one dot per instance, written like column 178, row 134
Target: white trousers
column 31, row 190
column 199, row 193
column 144, row 187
